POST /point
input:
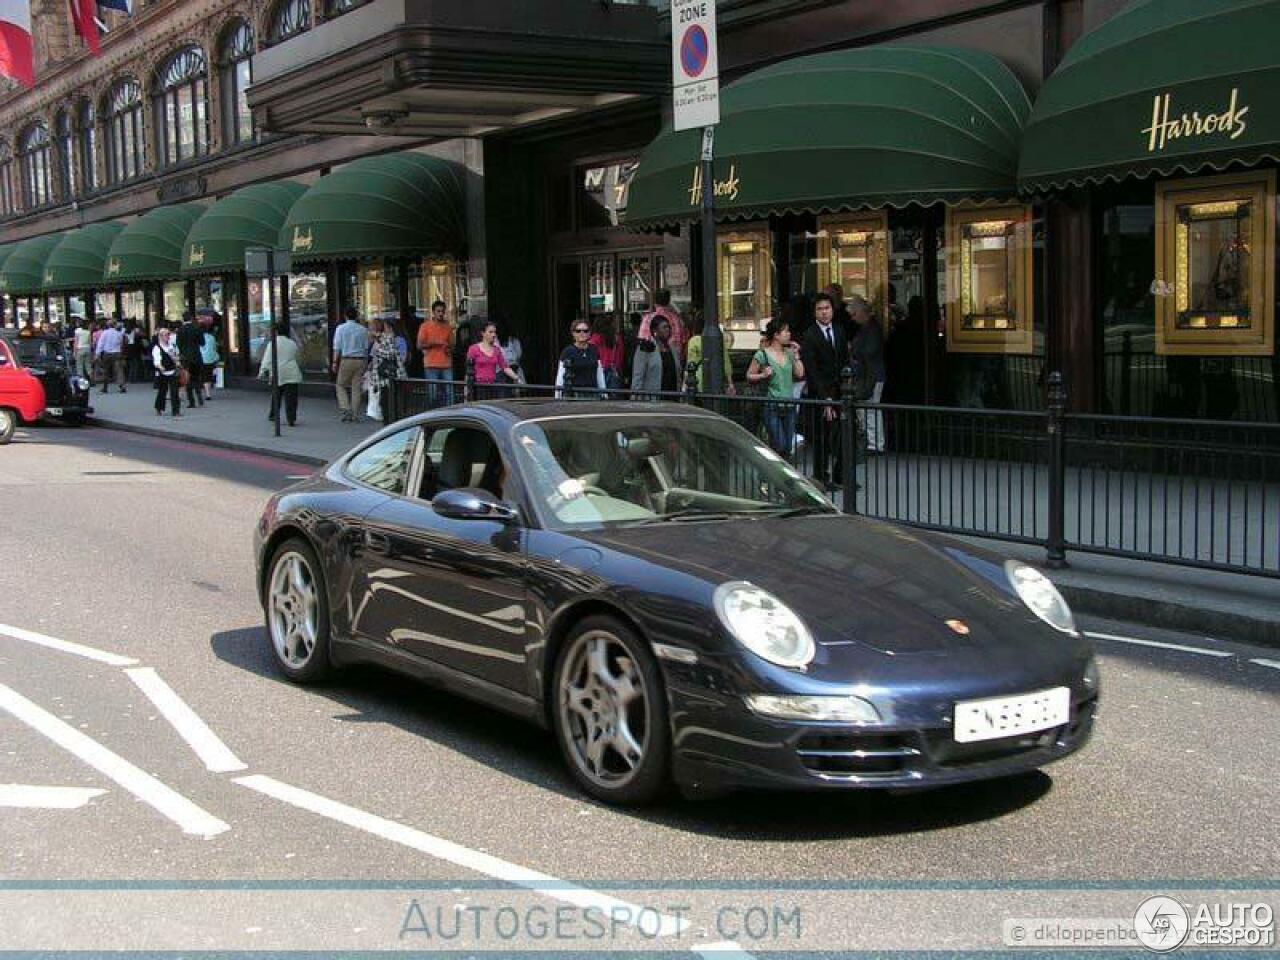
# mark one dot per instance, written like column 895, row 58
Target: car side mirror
column 472, row 503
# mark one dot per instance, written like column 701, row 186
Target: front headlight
column 1038, row 592
column 80, row 383
column 764, row 624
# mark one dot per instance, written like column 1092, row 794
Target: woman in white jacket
column 164, row 357
column 289, row 373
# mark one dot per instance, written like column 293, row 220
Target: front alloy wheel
column 297, row 613
column 611, row 716
column 8, row 424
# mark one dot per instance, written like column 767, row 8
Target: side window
column 461, row 457
column 5, row 359
column 385, row 465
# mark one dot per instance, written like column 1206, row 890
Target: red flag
column 15, row 41
column 83, row 16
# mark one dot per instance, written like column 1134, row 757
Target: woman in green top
column 777, row 365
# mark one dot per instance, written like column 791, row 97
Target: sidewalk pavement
column 237, row 419
column 1222, row 605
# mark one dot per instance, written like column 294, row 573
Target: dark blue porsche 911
column 674, row 601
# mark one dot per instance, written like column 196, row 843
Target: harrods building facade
column 1016, row 187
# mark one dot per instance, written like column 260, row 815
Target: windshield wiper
column 693, row 513
column 795, row 511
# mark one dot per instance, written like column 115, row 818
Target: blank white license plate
column 999, row 717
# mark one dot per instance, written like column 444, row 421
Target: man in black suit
column 190, row 337
column 825, row 352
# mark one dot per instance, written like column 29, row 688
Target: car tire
column 609, row 711
column 296, row 608
column 8, row 425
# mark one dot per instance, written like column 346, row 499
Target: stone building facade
column 55, row 172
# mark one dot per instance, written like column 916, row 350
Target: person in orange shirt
column 435, row 340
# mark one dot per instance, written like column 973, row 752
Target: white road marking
column 456, row 853
column 723, row 948
column 66, row 646
column 215, row 754
column 1273, row 664
column 46, row 798
column 1163, row 646
column 191, row 818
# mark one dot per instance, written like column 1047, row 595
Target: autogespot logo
column 1161, row 924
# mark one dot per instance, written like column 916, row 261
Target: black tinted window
column 385, row 465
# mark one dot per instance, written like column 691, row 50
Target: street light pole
column 712, row 337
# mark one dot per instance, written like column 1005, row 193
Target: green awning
column 5, row 250
column 150, row 248
column 1163, row 86
column 250, row 217
column 23, row 270
column 871, row 127
column 76, row 264
column 398, row 204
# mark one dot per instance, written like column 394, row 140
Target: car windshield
column 616, row 469
column 38, row 351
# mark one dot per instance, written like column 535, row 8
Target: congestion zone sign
column 695, row 70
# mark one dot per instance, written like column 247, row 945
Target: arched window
column 336, row 8
column 88, row 145
column 234, row 63
column 33, row 160
column 290, row 18
column 126, row 146
column 66, row 155
column 182, row 106
column 7, row 206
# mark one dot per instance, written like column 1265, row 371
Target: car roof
column 539, row 408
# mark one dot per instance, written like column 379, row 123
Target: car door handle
column 377, row 542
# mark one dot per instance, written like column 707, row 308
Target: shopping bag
column 219, row 380
column 373, row 409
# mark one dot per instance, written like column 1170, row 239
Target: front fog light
column 1090, row 680
column 820, row 709
column 1041, row 596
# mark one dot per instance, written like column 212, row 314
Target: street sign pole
column 275, row 354
column 712, row 337
column 695, row 104
column 262, row 263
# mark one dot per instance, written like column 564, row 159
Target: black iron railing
column 1192, row 492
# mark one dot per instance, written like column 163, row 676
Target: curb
column 1171, row 615
column 207, row 442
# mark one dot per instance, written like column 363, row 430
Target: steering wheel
column 588, row 488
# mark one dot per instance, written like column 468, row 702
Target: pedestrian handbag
column 373, row 409
column 184, row 376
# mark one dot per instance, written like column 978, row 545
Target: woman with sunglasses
column 580, row 367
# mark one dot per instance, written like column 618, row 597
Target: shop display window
column 745, row 264
column 854, row 252
column 175, row 303
column 989, row 280
column 309, row 320
column 437, row 279
column 1215, row 265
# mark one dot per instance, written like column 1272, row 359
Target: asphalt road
column 141, row 548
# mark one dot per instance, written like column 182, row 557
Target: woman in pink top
column 486, row 358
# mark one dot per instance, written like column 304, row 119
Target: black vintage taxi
column 44, row 355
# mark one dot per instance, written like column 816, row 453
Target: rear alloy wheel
column 298, row 613
column 8, row 424
column 611, row 713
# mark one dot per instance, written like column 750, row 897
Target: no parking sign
column 695, row 68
